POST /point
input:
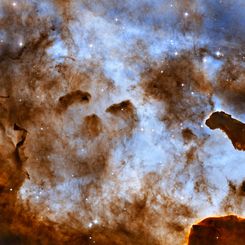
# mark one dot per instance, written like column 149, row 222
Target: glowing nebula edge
column 103, row 106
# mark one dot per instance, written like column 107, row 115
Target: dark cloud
column 218, row 230
column 182, row 88
column 72, row 98
column 230, row 84
column 233, row 128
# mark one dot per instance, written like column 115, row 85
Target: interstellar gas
column 107, row 118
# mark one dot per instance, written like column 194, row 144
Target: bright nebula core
column 122, row 122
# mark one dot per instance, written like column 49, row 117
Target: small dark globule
column 126, row 111
column 188, row 135
column 124, row 105
column 92, row 126
column 73, row 97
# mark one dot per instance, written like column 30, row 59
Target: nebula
column 222, row 230
column 107, row 118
